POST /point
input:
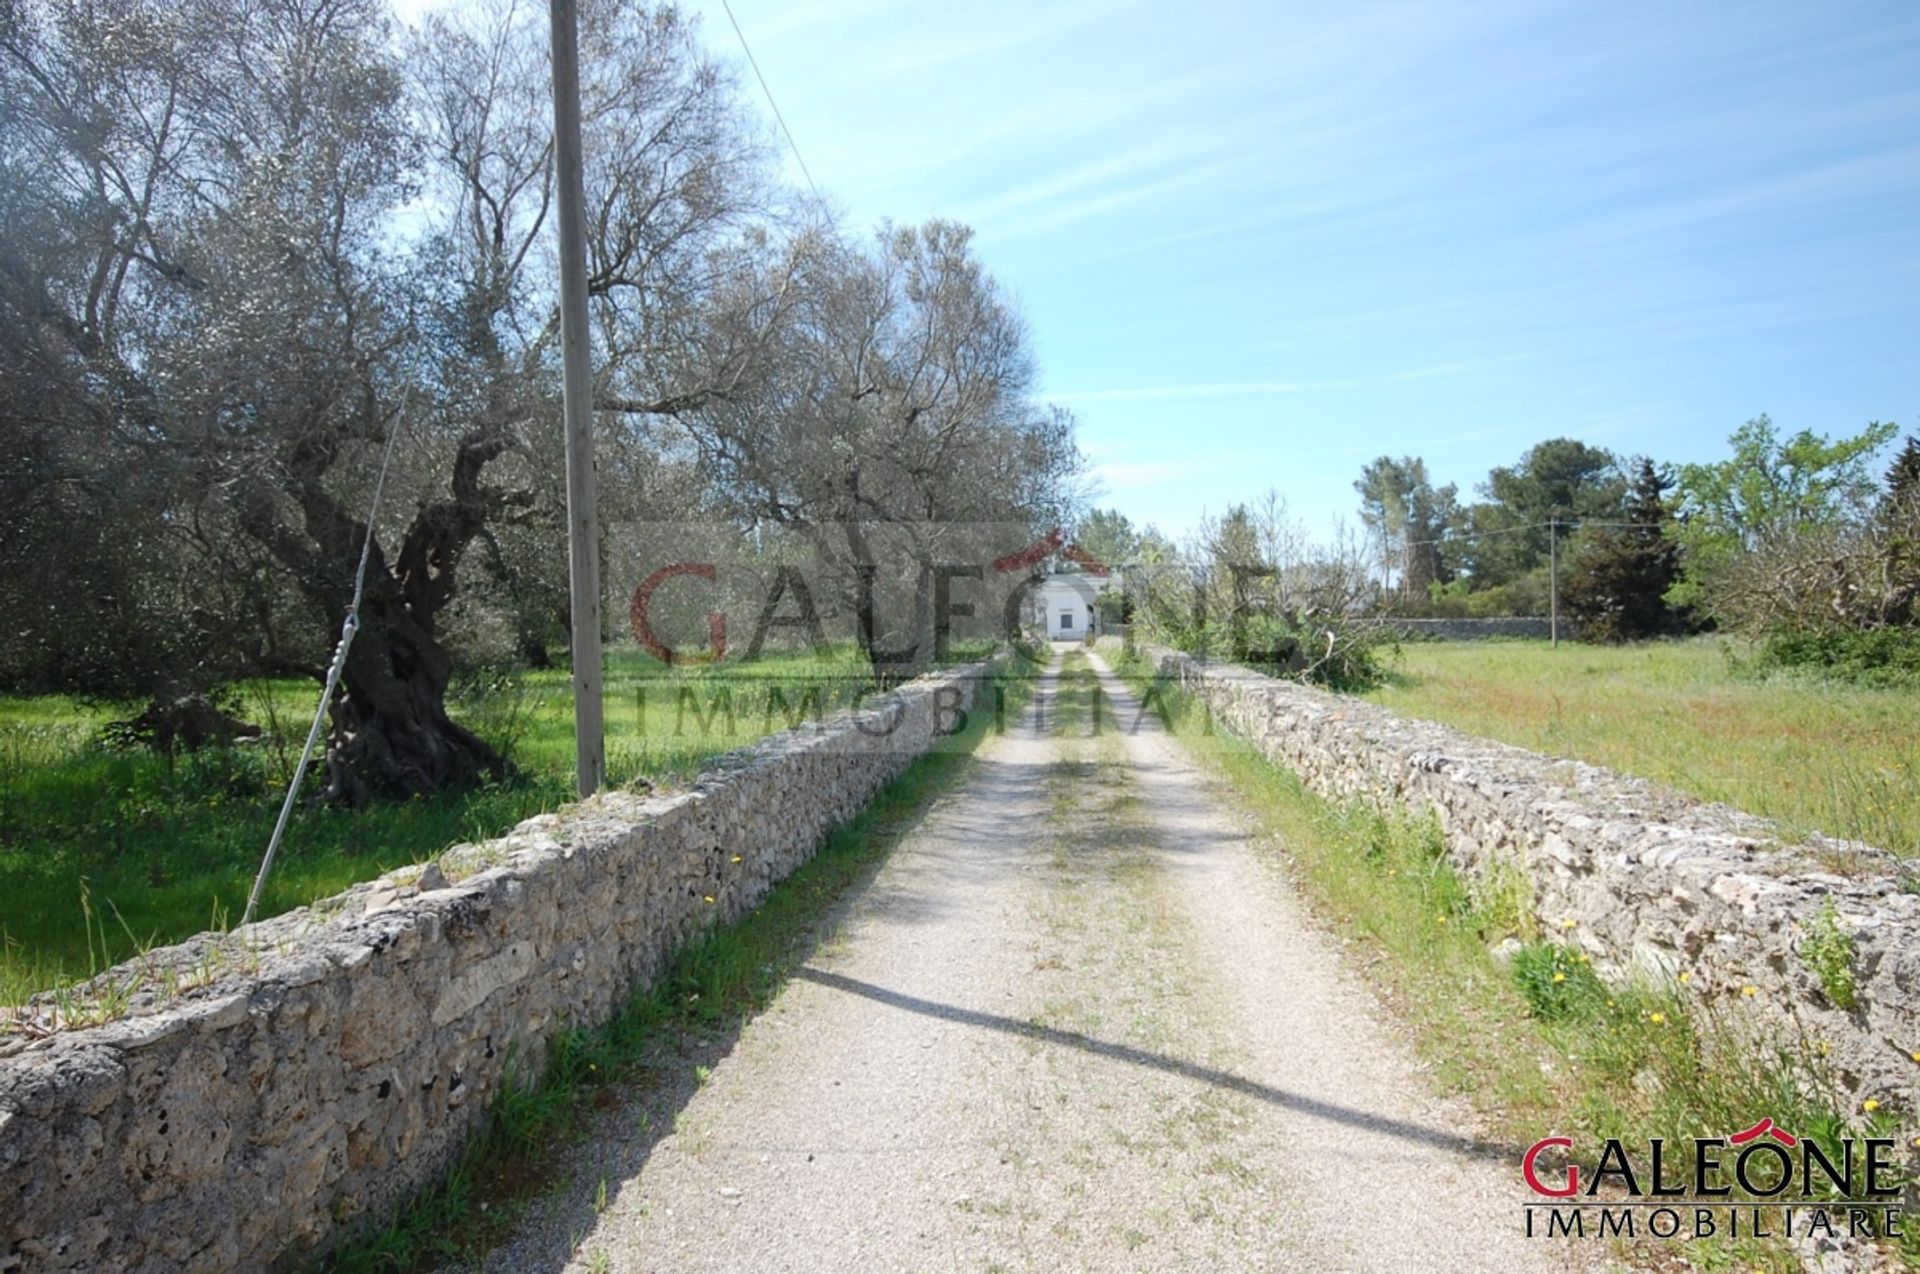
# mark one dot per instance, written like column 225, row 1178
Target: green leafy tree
column 1620, row 578
column 1560, row 481
column 1752, row 526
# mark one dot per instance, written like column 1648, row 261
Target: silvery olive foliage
column 243, row 242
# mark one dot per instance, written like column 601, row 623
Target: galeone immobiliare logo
column 1762, row 1181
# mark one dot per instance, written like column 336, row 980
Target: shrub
column 1524, row 595
column 1338, row 655
column 1873, row 656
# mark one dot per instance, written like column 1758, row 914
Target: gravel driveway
column 1075, row 1022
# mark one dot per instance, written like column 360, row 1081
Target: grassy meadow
column 1816, row 754
column 104, row 851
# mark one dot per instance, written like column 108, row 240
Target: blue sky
column 1260, row 244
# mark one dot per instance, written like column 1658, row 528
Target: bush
column 1339, row 656
column 1525, row 595
column 1874, row 656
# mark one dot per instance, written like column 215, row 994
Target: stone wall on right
column 1654, row 883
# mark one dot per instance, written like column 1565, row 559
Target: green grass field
column 1814, row 754
column 105, row 851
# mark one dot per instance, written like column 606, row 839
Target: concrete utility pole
column 583, row 522
column 1553, row 581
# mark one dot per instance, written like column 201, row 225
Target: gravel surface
column 1075, row 1022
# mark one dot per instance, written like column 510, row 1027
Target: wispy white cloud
column 1260, row 220
column 895, row 38
column 1215, row 389
column 794, row 16
column 1128, row 475
column 1048, row 189
column 956, row 37
column 1187, row 180
column 1858, row 176
column 1256, row 388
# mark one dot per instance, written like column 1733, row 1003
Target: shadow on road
column 1451, row 1142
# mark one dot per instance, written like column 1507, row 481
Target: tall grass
column 1816, row 754
column 167, row 847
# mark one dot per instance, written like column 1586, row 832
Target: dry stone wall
column 331, row 1062
column 1539, row 627
column 1653, row 883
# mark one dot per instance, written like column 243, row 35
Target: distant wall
column 1476, row 629
column 1652, row 881
column 320, row 1081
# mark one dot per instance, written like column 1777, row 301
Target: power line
column 1474, row 535
column 778, row 117
column 1571, row 524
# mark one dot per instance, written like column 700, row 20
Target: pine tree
column 1617, row 589
column 1903, row 476
column 1900, row 530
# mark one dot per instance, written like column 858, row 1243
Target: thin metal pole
column 583, row 532
column 348, row 627
column 1553, row 580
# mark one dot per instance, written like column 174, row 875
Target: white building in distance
column 1067, row 604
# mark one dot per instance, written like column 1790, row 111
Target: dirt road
column 1077, row 1021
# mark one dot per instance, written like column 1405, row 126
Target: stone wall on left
column 299, row 1081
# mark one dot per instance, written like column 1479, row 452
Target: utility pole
column 1553, row 580
column 583, row 522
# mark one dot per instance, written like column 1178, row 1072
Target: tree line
column 1789, row 534
column 244, row 242
column 1799, row 542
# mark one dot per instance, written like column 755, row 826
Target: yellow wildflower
column 1559, row 977
column 1656, row 1018
column 1568, row 923
column 1685, row 978
column 1749, row 991
column 1870, row 1105
column 709, row 898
